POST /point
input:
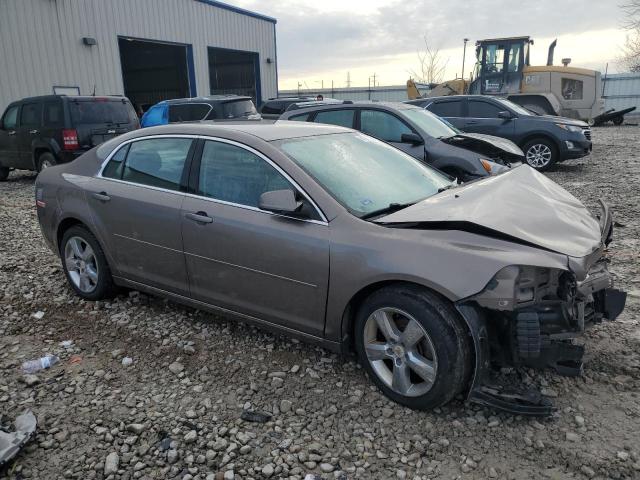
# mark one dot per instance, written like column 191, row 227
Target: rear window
column 240, row 108
column 273, row 108
column 188, row 112
column 100, row 111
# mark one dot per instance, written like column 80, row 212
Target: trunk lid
column 522, row 204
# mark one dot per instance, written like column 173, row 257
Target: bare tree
column 630, row 57
column 431, row 65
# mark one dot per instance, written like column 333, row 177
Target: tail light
column 70, row 139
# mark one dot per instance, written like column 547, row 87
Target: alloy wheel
column 539, row 155
column 400, row 352
column 81, row 263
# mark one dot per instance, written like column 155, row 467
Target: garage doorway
column 234, row 71
column 155, row 71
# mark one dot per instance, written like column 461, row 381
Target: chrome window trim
column 189, row 103
column 324, row 220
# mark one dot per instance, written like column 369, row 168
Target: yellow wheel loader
column 503, row 68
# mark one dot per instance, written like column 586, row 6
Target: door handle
column 199, row 217
column 33, row 131
column 102, row 196
column 472, row 123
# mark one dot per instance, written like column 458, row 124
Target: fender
column 44, row 143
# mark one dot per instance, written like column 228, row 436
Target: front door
column 247, row 260
column 8, row 137
column 28, row 131
column 483, row 118
column 136, row 207
column 385, row 126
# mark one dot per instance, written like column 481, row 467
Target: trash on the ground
column 66, row 343
column 38, row 315
column 255, row 416
column 165, row 441
column 12, row 442
column 75, row 360
column 32, row 366
column 126, row 361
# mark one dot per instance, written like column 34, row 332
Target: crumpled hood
column 557, row 119
column 467, row 140
column 522, row 203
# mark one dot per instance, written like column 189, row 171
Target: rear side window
column 300, row 118
column 188, row 112
column 480, row 109
column 233, row 174
column 571, row 89
column 382, row 125
column 157, row 162
column 99, row 111
column 114, row 167
column 446, row 109
column 31, row 115
column 342, row 118
column 52, row 114
column 273, row 108
column 10, row 119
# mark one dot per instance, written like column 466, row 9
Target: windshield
column 240, row 108
column 100, row 111
column 513, row 106
column 364, row 174
column 433, row 125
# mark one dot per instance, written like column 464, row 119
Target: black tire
column 104, row 287
column 4, row 173
column 618, row 120
column 539, row 145
column 448, row 336
column 45, row 160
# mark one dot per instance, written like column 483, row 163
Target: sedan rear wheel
column 414, row 346
column 85, row 265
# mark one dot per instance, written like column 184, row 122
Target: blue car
column 214, row 107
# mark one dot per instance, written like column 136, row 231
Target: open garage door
column 234, row 71
column 155, row 71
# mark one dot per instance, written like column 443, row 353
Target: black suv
column 545, row 139
column 419, row 133
column 39, row 132
column 274, row 107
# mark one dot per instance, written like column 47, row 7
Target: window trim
column 189, row 163
column 189, row 103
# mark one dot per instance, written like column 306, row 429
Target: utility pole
column 464, row 54
column 348, row 79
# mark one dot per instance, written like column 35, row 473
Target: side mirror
column 505, row 114
column 412, row 138
column 280, row 201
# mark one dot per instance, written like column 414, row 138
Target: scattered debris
column 32, row 366
column 12, row 442
column 126, row 361
column 66, row 344
column 255, row 416
column 38, row 315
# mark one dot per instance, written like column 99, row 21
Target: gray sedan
column 340, row 239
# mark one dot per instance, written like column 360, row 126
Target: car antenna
column 94, row 90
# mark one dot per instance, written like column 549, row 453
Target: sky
column 320, row 41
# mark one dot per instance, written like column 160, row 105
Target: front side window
column 342, row 118
column 451, row 108
column 480, row 109
column 233, row 174
column 10, row 119
column 188, row 112
column 363, row 174
column 300, row 118
column 156, row 162
column 382, row 125
column 31, row 115
column 433, row 125
column 572, row 89
column 494, row 62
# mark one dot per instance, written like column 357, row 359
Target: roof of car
column 451, row 97
column 350, row 104
column 267, row 130
column 208, row 99
column 41, row 98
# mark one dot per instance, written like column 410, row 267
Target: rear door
column 450, row 110
column 483, row 117
column 136, row 203
column 28, row 132
column 98, row 119
column 8, row 137
column 386, row 126
column 248, row 260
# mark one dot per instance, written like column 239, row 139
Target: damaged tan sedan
column 330, row 235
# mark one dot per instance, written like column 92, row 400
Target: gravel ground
column 174, row 412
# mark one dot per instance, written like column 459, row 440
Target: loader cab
column 499, row 65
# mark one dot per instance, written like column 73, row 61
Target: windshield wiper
column 392, row 207
column 446, row 187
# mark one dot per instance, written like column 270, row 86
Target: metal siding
column 41, row 41
column 622, row 90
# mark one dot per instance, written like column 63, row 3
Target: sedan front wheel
column 414, row 346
